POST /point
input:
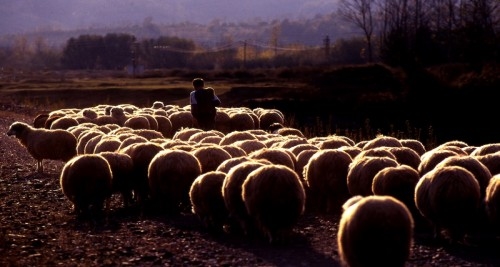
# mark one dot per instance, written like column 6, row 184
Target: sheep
column 185, row 133
column 290, row 141
column 235, row 151
column 353, row 151
column 79, row 129
column 147, row 133
column 207, row 202
column 91, row 144
column 222, row 121
column 301, row 147
column 84, row 139
column 492, row 202
column 326, row 178
column 362, row 171
column 276, row 156
column 122, row 167
column 107, row 143
column 170, row 176
column 164, row 125
column 181, row 119
column 211, row 140
column 232, row 137
column 86, row 180
column 376, row 152
column 132, row 139
column 198, row 136
column 405, row 155
column 227, row 164
column 105, row 119
column 415, row 145
column 40, row 119
column 241, row 121
column 153, row 123
column 44, row 143
column 210, row 157
column 275, row 200
column 400, row 182
column 232, row 195
column 478, row 169
column 491, row 161
column 64, row 123
column 268, row 117
column 333, row 142
column 486, row 149
column 142, row 154
column 302, row 160
column 431, row 158
column 158, row 105
column 375, row 231
column 382, row 141
column 449, row 197
column 289, row 131
column 137, row 122
column 249, row 146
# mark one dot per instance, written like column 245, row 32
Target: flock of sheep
column 254, row 176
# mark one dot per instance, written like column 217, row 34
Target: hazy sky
column 28, row 15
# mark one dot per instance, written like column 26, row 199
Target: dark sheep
column 233, row 199
column 142, row 154
column 275, row 199
column 362, row 171
column 478, row 169
column 207, row 202
column 86, row 181
column 449, row 197
column 170, row 176
column 326, row 179
column 122, row 168
column 375, row 231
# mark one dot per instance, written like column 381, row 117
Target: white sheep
column 86, row 180
column 44, row 143
column 275, row 199
column 375, row 231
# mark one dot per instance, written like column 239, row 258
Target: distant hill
column 210, row 23
column 23, row 16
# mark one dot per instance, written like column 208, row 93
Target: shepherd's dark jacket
column 203, row 103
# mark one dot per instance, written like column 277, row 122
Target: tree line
column 405, row 33
column 427, row 32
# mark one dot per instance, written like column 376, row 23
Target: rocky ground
column 37, row 228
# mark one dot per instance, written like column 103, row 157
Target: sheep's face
column 17, row 128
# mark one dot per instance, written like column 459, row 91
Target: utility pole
column 326, row 42
column 245, row 54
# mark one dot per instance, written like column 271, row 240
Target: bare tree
column 361, row 14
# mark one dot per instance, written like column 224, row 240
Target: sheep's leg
column 39, row 166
